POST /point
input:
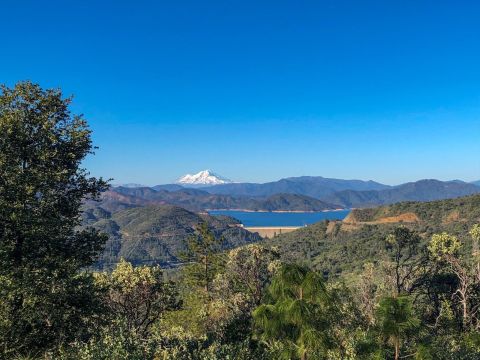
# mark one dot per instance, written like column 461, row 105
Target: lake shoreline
column 281, row 218
column 276, row 211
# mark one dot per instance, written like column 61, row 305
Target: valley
column 146, row 230
column 151, row 225
column 158, row 234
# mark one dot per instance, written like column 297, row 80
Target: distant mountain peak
column 205, row 177
column 130, row 185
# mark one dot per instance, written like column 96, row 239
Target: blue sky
column 257, row 91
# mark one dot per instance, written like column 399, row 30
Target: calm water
column 281, row 219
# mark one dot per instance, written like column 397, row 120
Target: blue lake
column 268, row 219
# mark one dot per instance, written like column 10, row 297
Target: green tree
column 239, row 289
column 138, row 296
column 445, row 249
column 367, row 292
column 396, row 321
column 46, row 299
column 299, row 314
column 475, row 234
column 249, row 269
column 407, row 257
column 203, row 251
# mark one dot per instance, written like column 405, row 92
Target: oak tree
column 46, row 298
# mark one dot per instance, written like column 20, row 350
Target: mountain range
column 157, row 234
column 207, row 190
column 313, row 186
column 150, row 225
column 334, row 193
column 423, row 190
column 199, row 200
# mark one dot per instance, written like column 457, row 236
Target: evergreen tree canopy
column 203, row 252
column 396, row 320
column 299, row 313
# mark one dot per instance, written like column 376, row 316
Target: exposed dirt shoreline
column 271, row 231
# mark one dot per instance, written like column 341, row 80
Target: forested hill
column 157, row 234
column 302, row 192
column 293, row 202
column 199, row 200
column 313, row 186
column 433, row 213
column 338, row 247
column 423, row 190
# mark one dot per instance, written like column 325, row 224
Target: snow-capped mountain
column 205, row 177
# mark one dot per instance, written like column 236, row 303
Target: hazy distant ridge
column 423, row 190
column 306, row 193
column 200, row 200
column 314, row 186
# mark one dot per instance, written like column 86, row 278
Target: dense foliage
column 157, row 235
column 339, row 249
column 45, row 299
column 257, row 307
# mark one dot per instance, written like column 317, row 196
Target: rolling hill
column 338, row 247
column 143, row 228
column 423, row 190
column 313, row 186
column 293, row 202
column 200, row 200
column 338, row 192
column 157, row 234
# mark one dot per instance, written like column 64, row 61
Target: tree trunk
column 304, row 356
column 206, row 274
column 397, row 349
column 465, row 313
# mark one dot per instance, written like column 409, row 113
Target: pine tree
column 299, row 314
column 408, row 258
column 396, row 320
column 203, row 252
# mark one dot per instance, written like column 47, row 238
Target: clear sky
column 260, row 90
